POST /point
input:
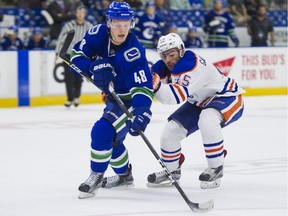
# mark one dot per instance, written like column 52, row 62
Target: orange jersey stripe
column 214, row 150
column 204, row 101
column 227, row 115
column 172, row 156
column 231, row 85
column 179, row 91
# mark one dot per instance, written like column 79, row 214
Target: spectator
column 260, row 27
column 238, row 12
column 192, row 39
column 36, row 40
column 60, row 11
column 279, row 4
column 11, row 41
column 73, row 82
column 172, row 28
column 92, row 4
column 251, row 8
column 134, row 4
column 209, row 4
column 100, row 13
column 196, row 4
column 163, row 12
column 219, row 26
column 180, row 5
column 147, row 26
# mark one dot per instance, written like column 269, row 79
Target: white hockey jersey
column 193, row 79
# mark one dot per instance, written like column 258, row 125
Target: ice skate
column 67, row 104
column 211, row 178
column 90, row 186
column 125, row 180
column 76, row 102
column 161, row 179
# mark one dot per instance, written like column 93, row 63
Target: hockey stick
column 196, row 207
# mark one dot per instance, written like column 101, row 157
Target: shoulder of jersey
column 187, row 63
column 160, row 68
column 97, row 35
column 100, row 30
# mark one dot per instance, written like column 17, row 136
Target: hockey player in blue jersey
column 219, row 26
column 120, row 59
column 211, row 101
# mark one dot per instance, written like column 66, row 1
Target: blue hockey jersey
column 218, row 35
column 7, row 44
column 134, row 79
column 148, row 30
column 193, row 43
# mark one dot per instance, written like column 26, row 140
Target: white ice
column 45, row 153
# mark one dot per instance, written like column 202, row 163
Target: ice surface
column 44, row 156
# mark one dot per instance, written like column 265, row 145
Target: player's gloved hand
column 142, row 117
column 103, row 73
column 235, row 40
column 156, row 82
column 214, row 25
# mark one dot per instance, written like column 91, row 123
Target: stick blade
column 202, row 207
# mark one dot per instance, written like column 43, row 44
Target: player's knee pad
column 102, row 135
column 210, row 124
column 209, row 117
column 172, row 135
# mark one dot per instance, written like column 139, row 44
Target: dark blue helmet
column 119, row 11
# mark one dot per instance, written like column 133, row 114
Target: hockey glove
column 156, row 82
column 103, row 73
column 142, row 117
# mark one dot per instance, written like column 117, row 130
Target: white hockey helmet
column 170, row 41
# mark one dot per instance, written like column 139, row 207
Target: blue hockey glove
column 142, row 117
column 103, row 73
column 235, row 40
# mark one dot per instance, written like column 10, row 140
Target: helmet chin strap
column 181, row 52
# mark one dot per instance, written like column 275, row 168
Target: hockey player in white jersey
column 211, row 101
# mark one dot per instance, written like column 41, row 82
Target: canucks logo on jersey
column 132, row 54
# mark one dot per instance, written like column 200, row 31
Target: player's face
column 170, row 57
column 119, row 30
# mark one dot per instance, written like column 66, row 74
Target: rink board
column 32, row 78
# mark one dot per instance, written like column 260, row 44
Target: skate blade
column 83, row 195
column 120, row 186
column 159, row 185
column 211, row 184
